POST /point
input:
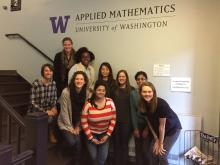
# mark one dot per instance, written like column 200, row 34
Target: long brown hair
column 153, row 102
column 128, row 86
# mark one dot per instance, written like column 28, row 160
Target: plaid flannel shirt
column 43, row 97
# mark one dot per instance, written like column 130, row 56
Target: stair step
column 14, row 78
column 14, row 87
column 15, row 93
column 16, row 97
column 24, row 104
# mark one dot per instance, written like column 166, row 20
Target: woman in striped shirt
column 98, row 121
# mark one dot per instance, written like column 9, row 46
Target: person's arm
column 158, row 146
column 56, row 64
column 63, row 119
column 34, row 99
column 84, row 121
column 54, row 99
column 134, row 114
column 71, row 72
column 92, row 78
column 113, row 120
column 111, row 124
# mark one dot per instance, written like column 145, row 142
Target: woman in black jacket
column 63, row 61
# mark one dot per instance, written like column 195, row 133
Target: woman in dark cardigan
column 63, row 61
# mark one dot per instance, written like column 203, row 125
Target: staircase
column 15, row 95
column 15, row 90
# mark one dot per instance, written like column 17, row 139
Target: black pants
column 168, row 143
column 121, row 136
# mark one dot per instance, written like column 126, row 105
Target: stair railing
column 12, row 115
column 14, row 35
column 36, row 127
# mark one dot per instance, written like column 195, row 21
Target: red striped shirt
column 98, row 121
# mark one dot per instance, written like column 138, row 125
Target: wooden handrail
column 30, row 44
column 22, row 157
column 10, row 110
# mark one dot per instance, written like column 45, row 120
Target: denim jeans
column 98, row 153
column 153, row 159
column 74, row 142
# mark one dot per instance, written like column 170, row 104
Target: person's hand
column 158, row 148
column 77, row 130
column 136, row 133
column 54, row 110
column 145, row 133
column 95, row 141
column 104, row 139
column 49, row 113
column 72, row 130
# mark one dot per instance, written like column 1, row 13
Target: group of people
column 104, row 111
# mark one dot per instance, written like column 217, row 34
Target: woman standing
column 138, row 124
column 84, row 57
column 123, row 129
column 72, row 100
column 63, row 61
column 105, row 74
column 162, row 122
column 98, row 121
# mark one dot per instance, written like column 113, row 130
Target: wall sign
column 181, row 84
column 161, row 70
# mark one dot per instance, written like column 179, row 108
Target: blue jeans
column 73, row 141
column 99, row 152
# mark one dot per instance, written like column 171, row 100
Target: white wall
column 189, row 43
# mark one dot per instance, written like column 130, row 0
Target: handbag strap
column 151, row 128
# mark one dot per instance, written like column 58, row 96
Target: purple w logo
column 59, row 24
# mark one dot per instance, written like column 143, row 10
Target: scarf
column 66, row 63
column 77, row 102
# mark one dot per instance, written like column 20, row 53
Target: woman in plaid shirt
column 44, row 96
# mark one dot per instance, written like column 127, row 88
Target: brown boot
column 52, row 137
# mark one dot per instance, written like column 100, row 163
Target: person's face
column 100, row 92
column 105, row 71
column 147, row 93
column 48, row 74
column 79, row 81
column 122, row 78
column 85, row 58
column 67, row 46
column 140, row 80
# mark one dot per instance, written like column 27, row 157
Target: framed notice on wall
column 161, row 70
column 181, row 84
column 15, row 5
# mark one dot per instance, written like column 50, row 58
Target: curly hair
column 80, row 51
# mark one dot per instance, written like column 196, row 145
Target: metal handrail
column 29, row 43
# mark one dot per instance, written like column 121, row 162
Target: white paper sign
column 181, row 84
column 161, row 70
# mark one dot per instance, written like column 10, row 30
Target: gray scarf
column 66, row 63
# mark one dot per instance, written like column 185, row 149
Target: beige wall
column 190, row 44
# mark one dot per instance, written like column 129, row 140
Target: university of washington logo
column 59, row 23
